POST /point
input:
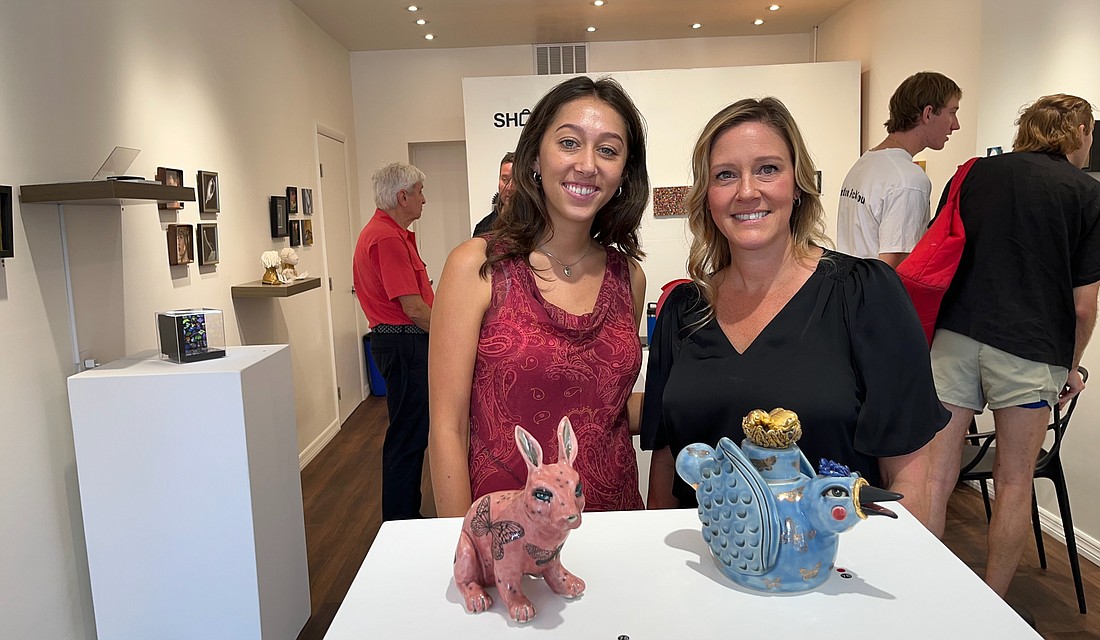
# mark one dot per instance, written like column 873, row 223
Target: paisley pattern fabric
column 536, row 363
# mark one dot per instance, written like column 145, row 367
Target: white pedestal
column 192, row 498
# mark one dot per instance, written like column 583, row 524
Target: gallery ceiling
column 378, row 25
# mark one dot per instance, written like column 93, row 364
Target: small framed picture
column 279, row 217
column 208, row 244
column 307, row 233
column 292, row 200
column 295, row 233
column 307, row 201
column 668, row 202
column 209, row 200
column 993, row 151
column 181, row 244
column 170, row 178
column 7, row 238
column 817, row 181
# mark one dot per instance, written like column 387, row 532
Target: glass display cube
column 191, row 335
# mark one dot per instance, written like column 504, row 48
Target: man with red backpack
column 1015, row 320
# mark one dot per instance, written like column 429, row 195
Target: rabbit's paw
column 522, row 610
column 565, row 584
column 476, row 598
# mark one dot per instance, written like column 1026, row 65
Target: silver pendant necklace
column 567, row 269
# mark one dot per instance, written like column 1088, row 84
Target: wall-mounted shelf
column 103, row 192
column 258, row 289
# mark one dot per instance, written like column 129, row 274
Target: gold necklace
column 567, row 269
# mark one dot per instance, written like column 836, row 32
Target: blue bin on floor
column 375, row 380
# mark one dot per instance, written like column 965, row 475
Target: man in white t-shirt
column 884, row 199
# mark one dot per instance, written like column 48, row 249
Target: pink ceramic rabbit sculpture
column 509, row 533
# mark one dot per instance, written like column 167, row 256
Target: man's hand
column 1074, row 385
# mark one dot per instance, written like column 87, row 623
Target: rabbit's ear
column 529, row 447
column 567, row 443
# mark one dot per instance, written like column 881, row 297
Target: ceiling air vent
column 556, row 59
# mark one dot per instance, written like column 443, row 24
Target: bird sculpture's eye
column 580, row 490
column 542, row 494
column 835, row 492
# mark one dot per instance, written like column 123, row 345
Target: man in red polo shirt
column 392, row 284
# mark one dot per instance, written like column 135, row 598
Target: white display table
column 649, row 575
column 191, row 496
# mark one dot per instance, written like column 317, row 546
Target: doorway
column 339, row 234
column 446, row 220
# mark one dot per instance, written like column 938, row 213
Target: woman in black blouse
column 772, row 319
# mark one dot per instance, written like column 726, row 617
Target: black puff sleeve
column 900, row 412
column 664, row 346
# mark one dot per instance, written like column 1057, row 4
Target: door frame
column 328, row 132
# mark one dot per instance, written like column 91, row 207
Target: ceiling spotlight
column 590, row 29
column 696, row 26
column 758, row 22
column 774, row 7
column 413, row 7
column 429, row 36
column 422, row 22
column 598, row 3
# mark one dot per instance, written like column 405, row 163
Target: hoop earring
column 537, row 177
column 797, row 201
column 619, row 192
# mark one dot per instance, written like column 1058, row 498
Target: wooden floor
column 341, row 490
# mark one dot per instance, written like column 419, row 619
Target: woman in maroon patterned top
column 542, row 314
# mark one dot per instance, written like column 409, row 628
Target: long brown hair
column 524, row 221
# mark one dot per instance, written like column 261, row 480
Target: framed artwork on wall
column 279, row 217
column 181, row 244
column 209, row 198
column 307, row 201
column 668, row 202
column 170, row 178
column 307, row 233
column 295, row 233
column 7, row 237
column 208, row 244
column 292, row 199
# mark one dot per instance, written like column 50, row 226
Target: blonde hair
column 710, row 252
column 1049, row 125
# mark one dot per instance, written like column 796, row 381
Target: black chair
column 978, row 465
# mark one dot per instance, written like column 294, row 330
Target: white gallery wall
column 1003, row 54
column 823, row 98
column 237, row 88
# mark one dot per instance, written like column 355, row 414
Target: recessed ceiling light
column 429, row 36
column 413, row 7
column 758, row 22
column 774, row 7
column 422, row 21
column 696, row 26
column 598, row 3
column 590, row 29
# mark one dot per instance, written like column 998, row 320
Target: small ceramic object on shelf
column 507, row 534
column 289, row 258
column 271, row 261
column 770, row 521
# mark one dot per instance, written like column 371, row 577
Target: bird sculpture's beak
column 866, row 497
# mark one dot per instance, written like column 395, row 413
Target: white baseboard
column 315, row 447
column 1087, row 546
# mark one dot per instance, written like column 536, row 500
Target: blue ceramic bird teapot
column 770, row 521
